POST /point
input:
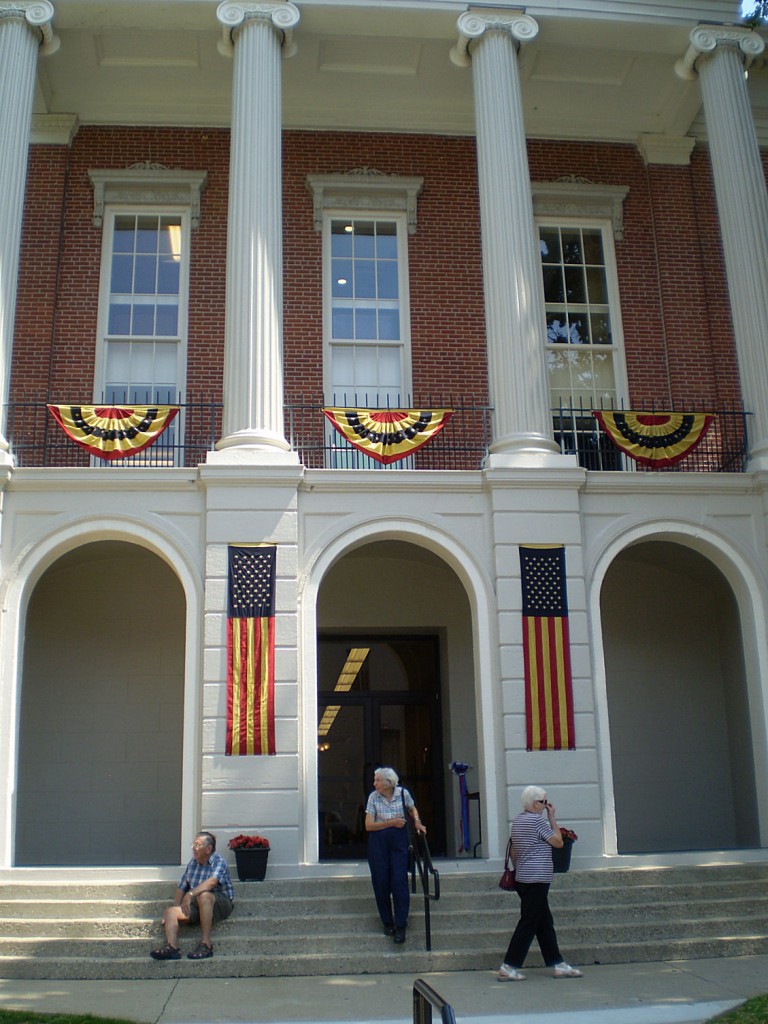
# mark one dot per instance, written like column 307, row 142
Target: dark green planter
column 251, row 864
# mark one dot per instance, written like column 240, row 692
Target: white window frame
column 368, row 195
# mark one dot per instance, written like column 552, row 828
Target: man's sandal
column 201, row 952
column 166, row 952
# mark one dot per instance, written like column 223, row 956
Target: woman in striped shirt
column 534, row 833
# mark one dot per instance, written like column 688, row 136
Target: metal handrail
column 424, row 998
column 421, row 862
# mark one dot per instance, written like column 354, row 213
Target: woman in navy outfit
column 385, row 821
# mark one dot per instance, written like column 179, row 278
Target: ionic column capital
column 38, row 14
column 705, row 39
column 473, row 25
column 233, row 14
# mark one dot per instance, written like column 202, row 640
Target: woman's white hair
column 389, row 775
column 530, row 795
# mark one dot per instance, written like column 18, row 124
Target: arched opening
column 100, row 739
column 395, row 686
column 682, row 760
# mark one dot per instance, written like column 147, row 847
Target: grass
column 754, row 1011
column 25, row 1017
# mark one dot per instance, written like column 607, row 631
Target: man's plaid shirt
column 196, row 873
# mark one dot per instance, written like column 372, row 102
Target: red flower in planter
column 249, row 843
column 569, row 836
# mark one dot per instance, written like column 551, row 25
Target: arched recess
column 400, row 578
column 678, row 703
column 102, row 711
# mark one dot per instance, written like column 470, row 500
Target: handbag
column 507, row 880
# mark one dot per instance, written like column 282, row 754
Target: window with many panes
column 367, row 357
column 583, row 343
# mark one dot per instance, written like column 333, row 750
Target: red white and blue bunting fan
column 655, row 438
column 113, row 433
column 387, row 435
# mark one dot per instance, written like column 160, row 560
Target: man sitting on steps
column 205, row 894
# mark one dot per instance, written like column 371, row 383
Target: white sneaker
column 507, row 973
column 565, row 970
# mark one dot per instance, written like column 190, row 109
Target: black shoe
column 399, row 935
column 389, row 929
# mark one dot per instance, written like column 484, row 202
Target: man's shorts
column 222, row 908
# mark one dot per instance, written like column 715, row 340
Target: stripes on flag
column 546, row 649
column 251, row 649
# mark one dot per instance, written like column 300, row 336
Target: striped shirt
column 195, row 873
column 382, row 809
column 532, row 852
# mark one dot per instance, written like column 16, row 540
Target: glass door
column 378, row 704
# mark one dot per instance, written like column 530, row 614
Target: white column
column 719, row 56
column 514, row 298
column 253, row 345
column 24, row 26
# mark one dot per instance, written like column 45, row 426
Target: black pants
column 535, row 922
column 388, row 861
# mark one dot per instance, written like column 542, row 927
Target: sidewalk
column 672, row 992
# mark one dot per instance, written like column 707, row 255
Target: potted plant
column 561, row 858
column 251, row 853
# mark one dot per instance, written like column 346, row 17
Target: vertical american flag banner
column 546, row 647
column 251, row 650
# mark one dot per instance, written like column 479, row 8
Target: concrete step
column 106, row 931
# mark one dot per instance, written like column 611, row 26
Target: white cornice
column 364, row 189
column 573, row 197
column 147, row 184
column 666, row 149
column 53, row 129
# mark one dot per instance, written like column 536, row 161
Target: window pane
column 143, row 323
column 557, row 327
column 365, row 279
column 597, row 289
column 572, row 246
column 118, row 360
column 165, row 363
column 342, row 365
column 167, row 322
column 364, row 245
column 549, row 243
column 168, row 271
column 389, row 324
column 386, row 276
column 342, row 323
column 145, row 275
column 341, row 238
column 124, row 235
column 341, row 278
column 578, row 330
column 390, row 370
column 146, row 234
column 553, row 284
column 365, row 324
column 601, row 329
column 119, row 318
column 386, row 241
column 122, row 273
column 593, row 245
column 575, row 286
column 365, row 366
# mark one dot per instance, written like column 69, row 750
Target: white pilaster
column 24, row 27
column 719, row 55
column 253, row 371
column 514, row 299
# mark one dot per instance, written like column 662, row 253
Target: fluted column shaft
column 719, row 57
column 514, row 299
column 253, row 370
column 20, row 39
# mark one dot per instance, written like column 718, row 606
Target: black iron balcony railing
column 38, row 441
column 722, row 450
column 462, row 444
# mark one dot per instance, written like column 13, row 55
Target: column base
column 256, row 449
column 526, row 451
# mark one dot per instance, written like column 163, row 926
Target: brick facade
column 674, row 302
